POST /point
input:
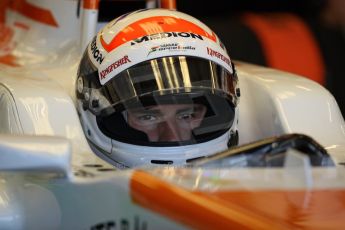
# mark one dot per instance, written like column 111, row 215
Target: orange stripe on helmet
column 288, row 44
column 91, row 4
column 33, row 12
column 154, row 25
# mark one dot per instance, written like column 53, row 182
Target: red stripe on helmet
column 154, row 25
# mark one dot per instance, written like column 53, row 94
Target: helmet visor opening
column 169, row 101
column 178, row 119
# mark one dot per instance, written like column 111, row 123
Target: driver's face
column 167, row 122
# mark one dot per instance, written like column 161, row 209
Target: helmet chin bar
column 135, row 156
column 124, row 155
column 106, row 156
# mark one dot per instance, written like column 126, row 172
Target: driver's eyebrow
column 193, row 108
column 146, row 111
column 189, row 109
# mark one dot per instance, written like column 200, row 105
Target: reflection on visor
column 169, row 75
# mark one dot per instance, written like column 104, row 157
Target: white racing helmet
column 157, row 86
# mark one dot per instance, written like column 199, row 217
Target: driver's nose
column 168, row 131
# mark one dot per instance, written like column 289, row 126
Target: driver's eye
column 186, row 116
column 147, row 117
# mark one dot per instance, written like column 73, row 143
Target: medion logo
column 96, row 53
column 115, row 65
column 218, row 55
column 166, row 35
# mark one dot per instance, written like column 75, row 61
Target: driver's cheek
column 185, row 129
column 150, row 130
column 194, row 124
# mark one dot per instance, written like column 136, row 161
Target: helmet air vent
column 162, row 162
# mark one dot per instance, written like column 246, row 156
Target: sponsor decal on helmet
column 218, row 55
column 173, row 46
column 96, row 53
column 151, row 28
column 166, row 35
column 170, row 47
column 114, row 66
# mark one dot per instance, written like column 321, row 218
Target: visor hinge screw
column 95, row 103
column 238, row 92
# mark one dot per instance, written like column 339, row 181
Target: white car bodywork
column 50, row 179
